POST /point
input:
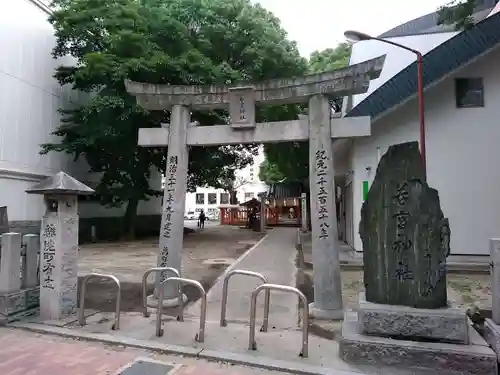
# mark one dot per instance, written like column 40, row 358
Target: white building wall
column 29, row 100
column 463, row 155
column 249, row 186
column 396, row 58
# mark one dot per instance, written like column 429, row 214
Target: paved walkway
column 25, row 353
column 274, row 257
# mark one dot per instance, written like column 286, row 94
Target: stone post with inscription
column 263, row 219
column 303, row 212
column 59, row 245
column 325, row 246
column 174, row 200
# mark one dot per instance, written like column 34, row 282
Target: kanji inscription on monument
column 406, row 237
column 242, row 107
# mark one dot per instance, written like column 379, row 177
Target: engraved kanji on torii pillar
column 318, row 127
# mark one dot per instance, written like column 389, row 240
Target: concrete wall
column 396, row 58
column 463, row 154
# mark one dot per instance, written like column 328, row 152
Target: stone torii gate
column 318, row 127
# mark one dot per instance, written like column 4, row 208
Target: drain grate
column 147, row 368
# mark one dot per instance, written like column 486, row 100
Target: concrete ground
column 274, row 258
column 469, row 282
column 281, row 348
column 129, row 260
column 35, row 354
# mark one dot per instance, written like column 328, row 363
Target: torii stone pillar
column 315, row 89
column 59, row 240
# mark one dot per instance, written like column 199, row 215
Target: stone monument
column 59, row 239
column 491, row 327
column 240, row 100
column 404, row 318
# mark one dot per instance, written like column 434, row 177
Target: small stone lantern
column 59, row 244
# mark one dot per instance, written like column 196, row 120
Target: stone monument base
column 14, row 306
column 322, row 314
column 474, row 358
column 152, row 301
column 449, row 324
column 491, row 334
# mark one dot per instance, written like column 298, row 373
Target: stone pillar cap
column 60, row 184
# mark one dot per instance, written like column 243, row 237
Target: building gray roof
column 439, row 62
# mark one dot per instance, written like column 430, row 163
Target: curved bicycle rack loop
column 81, row 311
column 200, row 336
column 252, row 344
column 145, row 285
column 225, row 287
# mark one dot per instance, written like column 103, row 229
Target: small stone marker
column 303, row 211
column 59, row 252
column 10, row 280
column 406, row 237
column 495, row 279
column 4, row 220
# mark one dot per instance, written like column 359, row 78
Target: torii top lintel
column 353, row 79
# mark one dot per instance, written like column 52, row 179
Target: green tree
column 458, row 13
column 330, row 58
column 290, row 160
column 158, row 41
column 269, row 173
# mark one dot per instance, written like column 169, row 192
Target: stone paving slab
column 274, row 257
column 276, row 350
column 27, row 353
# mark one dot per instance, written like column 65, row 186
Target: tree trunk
column 128, row 232
column 233, row 198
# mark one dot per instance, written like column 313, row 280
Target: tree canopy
column 458, row 13
column 290, row 161
column 159, row 41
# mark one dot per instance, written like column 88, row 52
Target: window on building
column 200, row 198
column 212, row 198
column 248, row 195
column 469, row 92
column 198, row 209
column 224, row 198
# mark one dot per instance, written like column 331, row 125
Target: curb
column 206, row 354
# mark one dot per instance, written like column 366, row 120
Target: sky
column 320, row 24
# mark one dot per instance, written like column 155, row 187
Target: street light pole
column 356, row 36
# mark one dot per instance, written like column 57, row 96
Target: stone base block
column 491, row 334
column 321, row 314
column 152, row 301
column 477, row 358
column 26, row 302
column 447, row 324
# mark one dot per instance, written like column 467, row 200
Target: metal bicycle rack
column 200, row 336
column 145, row 285
column 252, row 345
column 223, row 321
column 81, row 311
